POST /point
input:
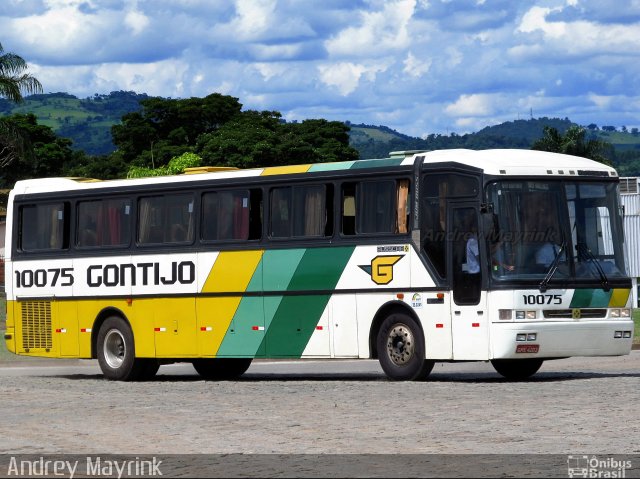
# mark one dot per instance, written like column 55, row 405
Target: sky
column 417, row 66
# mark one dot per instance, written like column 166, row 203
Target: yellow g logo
column 381, row 268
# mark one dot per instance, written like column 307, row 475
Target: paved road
column 572, row 406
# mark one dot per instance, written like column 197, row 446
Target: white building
column 630, row 199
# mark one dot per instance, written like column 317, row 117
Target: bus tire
column 116, row 351
column 401, row 349
column 516, row 369
column 221, row 368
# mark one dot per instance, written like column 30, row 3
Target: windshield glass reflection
column 555, row 231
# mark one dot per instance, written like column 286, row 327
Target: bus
column 508, row 256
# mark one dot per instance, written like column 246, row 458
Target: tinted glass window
column 165, row 219
column 44, row 227
column 226, row 215
column 104, row 223
column 299, row 211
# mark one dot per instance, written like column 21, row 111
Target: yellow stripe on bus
column 619, row 298
column 232, row 271
column 285, row 170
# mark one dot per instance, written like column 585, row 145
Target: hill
column 377, row 141
column 87, row 122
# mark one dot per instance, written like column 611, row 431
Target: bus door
column 469, row 321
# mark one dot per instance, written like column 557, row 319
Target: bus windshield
column 555, row 231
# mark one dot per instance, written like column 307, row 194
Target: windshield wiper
column 552, row 268
column 584, row 250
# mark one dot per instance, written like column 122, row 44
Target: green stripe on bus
column 279, row 268
column 281, row 326
column 590, row 298
column 296, row 317
column 293, row 324
column 377, row 163
column 245, row 336
column 320, row 268
column 338, row 165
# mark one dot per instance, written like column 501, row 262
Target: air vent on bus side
column 36, row 325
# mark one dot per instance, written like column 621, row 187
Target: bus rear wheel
column 221, row 368
column 401, row 350
column 116, row 352
column 516, row 369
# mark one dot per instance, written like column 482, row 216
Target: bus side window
column 44, row 227
column 370, row 207
column 349, row 209
column 376, row 207
column 231, row 215
column 165, row 219
column 301, row 211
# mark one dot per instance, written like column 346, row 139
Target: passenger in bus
column 178, row 233
column 542, row 234
column 499, row 262
column 546, row 254
column 470, row 274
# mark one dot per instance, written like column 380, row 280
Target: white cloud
column 136, row 21
column 379, row 32
column 419, row 66
column 472, row 105
column 600, row 101
column 259, row 21
column 416, row 67
column 346, row 76
column 579, row 37
column 536, row 19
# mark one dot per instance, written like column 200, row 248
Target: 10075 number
column 540, row 299
column 44, row 277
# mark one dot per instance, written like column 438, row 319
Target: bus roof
column 515, row 162
column 509, row 162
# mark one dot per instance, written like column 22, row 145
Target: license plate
column 527, row 348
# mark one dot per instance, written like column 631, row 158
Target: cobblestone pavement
column 572, row 406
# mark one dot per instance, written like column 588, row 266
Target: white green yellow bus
column 508, row 256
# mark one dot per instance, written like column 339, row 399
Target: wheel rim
column 114, row 349
column 400, row 344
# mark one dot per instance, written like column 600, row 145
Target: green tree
column 259, row 139
column 166, row 128
column 52, row 155
column 177, row 165
column 573, row 142
column 13, row 82
column 246, row 141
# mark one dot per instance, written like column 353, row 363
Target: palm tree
column 13, row 82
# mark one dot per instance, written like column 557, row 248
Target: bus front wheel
column 116, row 351
column 401, row 350
column 221, row 368
column 516, row 369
